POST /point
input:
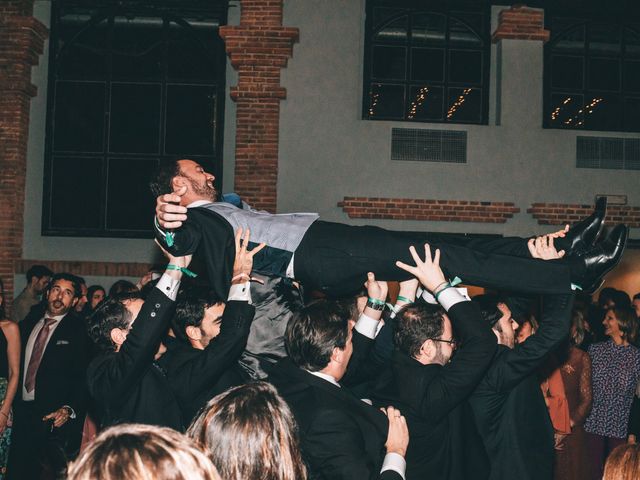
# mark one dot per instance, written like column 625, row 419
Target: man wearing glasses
column 424, row 382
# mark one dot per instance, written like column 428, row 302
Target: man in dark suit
column 202, row 361
column 341, row 436
column 50, row 404
column 335, row 258
column 425, row 383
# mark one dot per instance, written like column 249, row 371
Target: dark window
column 592, row 75
column 426, row 66
column 127, row 88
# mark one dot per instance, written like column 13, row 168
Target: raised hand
column 376, row 289
column 428, row 271
column 542, row 247
column 243, row 263
column 169, row 212
column 398, row 436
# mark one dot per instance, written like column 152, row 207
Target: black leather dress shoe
column 603, row 258
column 583, row 235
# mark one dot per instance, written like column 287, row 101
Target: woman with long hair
column 615, row 374
column 250, row 434
column 9, row 374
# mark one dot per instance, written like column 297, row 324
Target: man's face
column 506, row 327
column 444, row 349
column 40, row 284
column 61, row 297
column 82, row 301
column 201, row 182
column 210, row 326
column 636, row 306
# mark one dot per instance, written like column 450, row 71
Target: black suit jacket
column 508, row 406
column 128, row 386
column 195, row 375
column 429, row 396
column 341, row 436
column 60, row 379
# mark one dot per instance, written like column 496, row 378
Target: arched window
column 126, row 89
column 592, row 76
column 426, row 66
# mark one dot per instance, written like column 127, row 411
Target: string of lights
column 458, row 103
column 420, row 98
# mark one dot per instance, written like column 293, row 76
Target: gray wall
column 327, row 151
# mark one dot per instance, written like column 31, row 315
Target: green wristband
column 447, row 286
column 400, row 298
column 186, row 271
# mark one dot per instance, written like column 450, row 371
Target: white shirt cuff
column 396, row 462
column 169, row 286
column 449, row 297
column 367, row 326
column 240, row 292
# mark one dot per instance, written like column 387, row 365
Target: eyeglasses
column 451, row 342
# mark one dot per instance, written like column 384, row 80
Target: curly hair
column 161, row 180
column 110, row 314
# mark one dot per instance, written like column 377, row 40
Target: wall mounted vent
column 419, row 145
column 608, row 152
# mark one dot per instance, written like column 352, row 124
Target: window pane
column 79, row 117
column 130, row 211
column 571, row 41
column 135, row 118
column 386, row 101
column 84, row 56
column 393, row 31
column 465, row 66
column 137, row 48
column 632, row 76
column 460, row 35
column 632, row 114
column 567, row 72
column 604, row 74
column 383, row 15
column 389, row 62
column 603, row 112
column 425, row 103
column 187, row 57
column 566, row 111
column 632, row 42
column 76, row 187
column 604, row 39
column 464, row 105
column 427, row 64
column 190, row 119
column 428, row 28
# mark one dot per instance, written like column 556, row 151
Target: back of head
column 142, row 452
column 122, row 286
column 110, row 314
column 314, row 332
column 161, row 180
column 416, row 323
column 488, row 308
column 250, row 434
column 38, row 271
column 620, row 299
column 623, row 463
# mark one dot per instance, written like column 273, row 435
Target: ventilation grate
column 608, row 152
column 410, row 144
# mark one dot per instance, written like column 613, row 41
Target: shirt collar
column 198, row 203
column 57, row 318
column 326, row 377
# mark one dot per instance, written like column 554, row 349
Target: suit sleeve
column 334, row 447
column 223, row 351
column 467, row 367
column 182, row 241
column 520, row 361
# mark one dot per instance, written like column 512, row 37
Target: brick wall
column 563, row 213
column 521, row 23
column 94, row 269
column 258, row 48
column 428, row 210
column 21, row 43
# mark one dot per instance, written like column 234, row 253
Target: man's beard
column 440, row 357
column 206, row 190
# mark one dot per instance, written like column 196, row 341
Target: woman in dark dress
column 9, row 372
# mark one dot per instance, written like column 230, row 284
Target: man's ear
column 337, row 355
column 193, row 333
column 428, row 350
column 178, row 182
column 118, row 336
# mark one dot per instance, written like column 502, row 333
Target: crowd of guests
column 144, row 381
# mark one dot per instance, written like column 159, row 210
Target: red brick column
column 521, row 23
column 258, row 48
column 21, row 42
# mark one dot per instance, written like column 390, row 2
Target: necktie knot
column 49, row 321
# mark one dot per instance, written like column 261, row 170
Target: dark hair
column 110, row 314
column 137, row 451
column 93, row 289
column 250, row 434
column 627, row 322
column 163, row 175
column 621, row 299
column 190, row 310
column 38, row 271
column 69, row 277
column 122, row 286
column 488, row 308
column 636, row 296
column 314, row 332
column 416, row 323
column 605, row 294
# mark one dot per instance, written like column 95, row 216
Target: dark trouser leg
column 335, row 258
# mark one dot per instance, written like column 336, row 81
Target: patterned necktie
column 36, row 354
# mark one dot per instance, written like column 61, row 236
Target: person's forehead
column 63, row 284
column 186, row 164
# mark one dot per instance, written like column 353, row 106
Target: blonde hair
column 142, row 452
column 250, row 434
column 623, row 463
